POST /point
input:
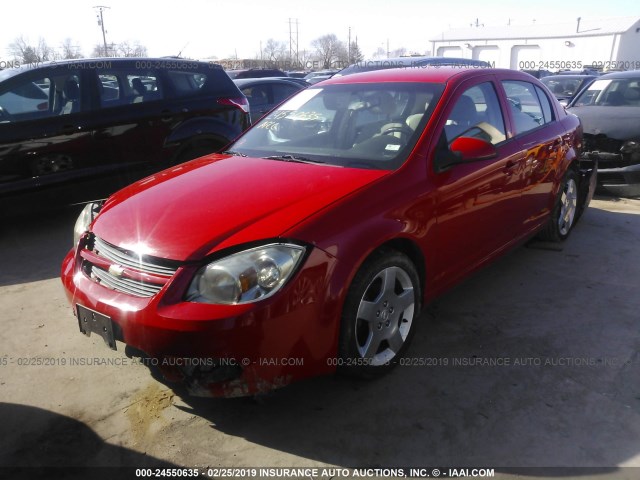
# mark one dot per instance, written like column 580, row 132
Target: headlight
column 88, row 214
column 247, row 276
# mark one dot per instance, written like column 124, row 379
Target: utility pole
column 293, row 43
column 290, row 38
column 349, row 48
column 101, row 8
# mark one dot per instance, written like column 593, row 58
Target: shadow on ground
column 44, row 444
column 32, row 246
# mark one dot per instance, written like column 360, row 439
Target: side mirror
column 463, row 150
column 473, row 148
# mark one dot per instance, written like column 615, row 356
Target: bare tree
column 98, row 51
column 126, row 49
column 380, row 53
column 122, row 49
column 70, row 51
column 274, row 51
column 22, row 50
column 305, row 60
column 398, row 52
column 328, row 49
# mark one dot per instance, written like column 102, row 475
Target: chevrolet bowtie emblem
column 116, row 270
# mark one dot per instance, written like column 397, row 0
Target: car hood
column 620, row 123
column 219, row 201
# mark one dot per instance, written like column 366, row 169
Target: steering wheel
column 403, row 129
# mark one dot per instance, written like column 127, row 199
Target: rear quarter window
column 213, row 81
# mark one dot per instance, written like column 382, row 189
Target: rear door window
column 525, row 106
column 547, row 111
column 128, row 86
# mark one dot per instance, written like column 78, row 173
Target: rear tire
column 565, row 210
column 379, row 315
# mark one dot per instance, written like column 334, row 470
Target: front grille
column 125, row 285
column 129, row 259
column 141, row 276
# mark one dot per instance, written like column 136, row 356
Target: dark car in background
column 300, row 81
column 255, row 73
column 300, row 75
column 319, row 76
column 539, row 74
column 411, row 62
column 609, row 109
column 79, row 130
column 584, row 71
column 265, row 93
column 566, row 87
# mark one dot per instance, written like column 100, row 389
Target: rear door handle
column 510, row 167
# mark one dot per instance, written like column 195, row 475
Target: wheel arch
column 404, row 245
column 201, row 145
column 410, row 249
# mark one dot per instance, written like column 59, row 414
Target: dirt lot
column 533, row 362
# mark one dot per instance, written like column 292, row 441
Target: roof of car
column 431, row 74
column 242, row 82
column 627, row 74
column 567, row 77
column 99, row 62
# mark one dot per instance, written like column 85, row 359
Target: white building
column 607, row 44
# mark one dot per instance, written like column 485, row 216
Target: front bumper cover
column 222, row 350
column 618, row 173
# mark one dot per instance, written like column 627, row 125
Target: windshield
column 363, row 125
column 614, row 92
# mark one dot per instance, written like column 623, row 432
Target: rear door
column 540, row 135
column 127, row 117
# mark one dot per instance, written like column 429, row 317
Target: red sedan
column 312, row 243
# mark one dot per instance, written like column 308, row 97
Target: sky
column 225, row 28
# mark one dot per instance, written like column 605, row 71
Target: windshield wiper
column 231, row 152
column 293, row 158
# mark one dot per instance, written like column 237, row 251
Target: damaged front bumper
column 588, row 182
column 215, row 350
column 618, row 173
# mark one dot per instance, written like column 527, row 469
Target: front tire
column 565, row 210
column 379, row 316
